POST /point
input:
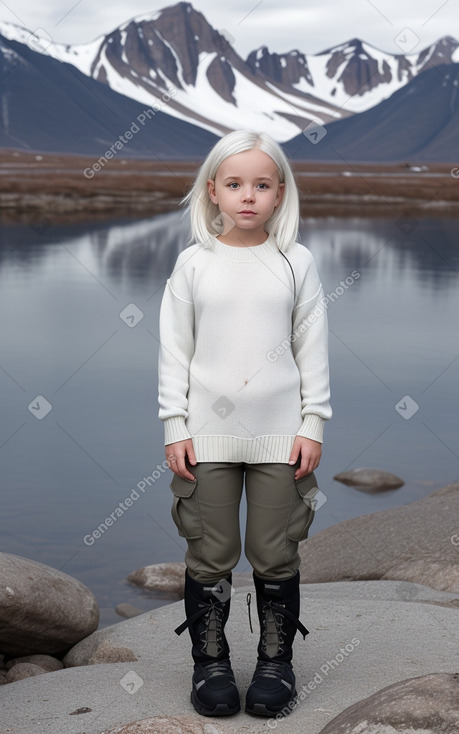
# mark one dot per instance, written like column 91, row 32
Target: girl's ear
column 280, row 194
column 211, row 190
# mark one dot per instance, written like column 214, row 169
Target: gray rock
column 42, row 610
column 360, row 641
column 127, row 610
column 438, row 574
column 169, row 577
column 418, row 542
column 96, row 649
column 382, row 590
column 23, row 670
column 47, row 662
column 369, row 479
column 166, row 725
column 428, row 705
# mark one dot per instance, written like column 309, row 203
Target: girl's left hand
column 310, row 452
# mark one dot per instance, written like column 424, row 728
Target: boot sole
column 221, row 709
column 260, row 709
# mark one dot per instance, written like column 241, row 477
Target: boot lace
column 272, row 628
column 212, row 634
column 273, row 617
column 220, row 667
column 269, row 669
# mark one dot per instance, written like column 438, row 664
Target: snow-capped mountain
column 354, row 75
column 50, row 106
column 176, row 59
column 402, row 127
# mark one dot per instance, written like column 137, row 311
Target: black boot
column 214, row 691
column 272, row 689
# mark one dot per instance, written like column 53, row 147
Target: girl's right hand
column 176, row 454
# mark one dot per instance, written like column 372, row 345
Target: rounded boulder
column 42, row 610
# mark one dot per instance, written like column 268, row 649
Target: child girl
column 243, row 394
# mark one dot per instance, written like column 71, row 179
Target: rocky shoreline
column 382, row 656
column 417, row 543
column 64, row 188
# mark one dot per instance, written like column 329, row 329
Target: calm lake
column 78, row 380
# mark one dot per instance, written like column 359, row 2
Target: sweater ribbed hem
column 175, row 430
column 263, row 449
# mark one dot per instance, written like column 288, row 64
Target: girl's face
column 247, row 190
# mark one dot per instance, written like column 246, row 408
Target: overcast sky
column 282, row 26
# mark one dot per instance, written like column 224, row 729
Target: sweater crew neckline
column 255, row 252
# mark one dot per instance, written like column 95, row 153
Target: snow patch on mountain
column 279, row 93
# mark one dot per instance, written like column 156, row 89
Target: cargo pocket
column 302, row 510
column 185, row 508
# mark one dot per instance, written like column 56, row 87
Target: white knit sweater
column 243, row 369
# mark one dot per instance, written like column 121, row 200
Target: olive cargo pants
column 279, row 513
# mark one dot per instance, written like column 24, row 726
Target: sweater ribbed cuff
column 175, row 430
column 312, row 427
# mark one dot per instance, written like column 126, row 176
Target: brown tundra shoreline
column 69, row 188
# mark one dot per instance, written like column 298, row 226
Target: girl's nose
column 247, row 193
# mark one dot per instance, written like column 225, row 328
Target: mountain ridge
column 72, row 113
column 379, row 134
column 176, row 63
column 278, row 92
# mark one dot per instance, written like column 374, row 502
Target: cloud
column 310, row 28
column 287, row 17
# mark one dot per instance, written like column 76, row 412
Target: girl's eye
column 234, row 184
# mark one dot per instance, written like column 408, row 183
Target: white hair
column 283, row 223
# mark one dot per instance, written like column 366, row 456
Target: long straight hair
column 283, row 223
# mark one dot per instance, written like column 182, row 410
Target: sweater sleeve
column 310, row 350
column 176, row 332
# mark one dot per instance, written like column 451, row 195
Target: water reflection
column 392, row 333
column 145, row 251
